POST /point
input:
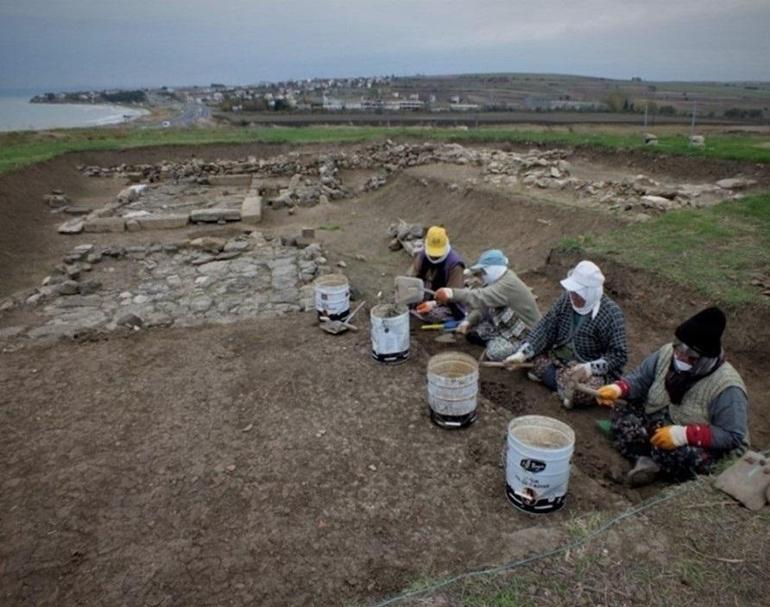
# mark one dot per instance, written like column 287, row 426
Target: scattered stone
column 88, row 287
column 208, row 243
column 342, row 264
column 225, row 255
column 67, row 287
column 73, row 226
column 229, row 180
column 736, row 183
column 56, row 201
column 130, row 320
column 132, row 225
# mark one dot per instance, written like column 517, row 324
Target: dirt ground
column 268, row 463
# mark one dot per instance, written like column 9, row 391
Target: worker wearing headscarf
column 439, row 266
column 502, row 308
column 581, row 339
column 687, row 406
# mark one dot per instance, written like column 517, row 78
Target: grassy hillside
column 22, row 148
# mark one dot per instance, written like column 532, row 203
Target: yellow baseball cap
column 436, row 242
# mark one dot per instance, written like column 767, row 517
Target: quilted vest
column 695, row 404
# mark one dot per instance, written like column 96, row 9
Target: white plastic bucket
column 332, row 296
column 390, row 332
column 453, row 386
column 538, row 462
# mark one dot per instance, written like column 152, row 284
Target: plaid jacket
column 600, row 341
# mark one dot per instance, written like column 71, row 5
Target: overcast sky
column 46, row 44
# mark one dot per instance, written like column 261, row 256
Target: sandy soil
column 269, row 463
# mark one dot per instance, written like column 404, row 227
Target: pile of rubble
column 188, row 283
column 315, row 178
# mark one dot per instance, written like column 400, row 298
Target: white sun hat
column 584, row 275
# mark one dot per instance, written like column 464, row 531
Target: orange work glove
column 425, row 307
column 607, row 395
column 444, row 295
column 669, row 437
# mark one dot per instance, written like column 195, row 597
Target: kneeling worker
column 439, row 266
column 503, row 310
column 581, row 339
column 687, row 406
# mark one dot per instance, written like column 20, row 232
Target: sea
column 18, row 114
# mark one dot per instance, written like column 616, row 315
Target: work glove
column 444, row 295
column 425, row 307
column 607, row 395
column 463, row 327
column 669, row 437
column 516, row 358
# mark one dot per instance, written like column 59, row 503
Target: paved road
column 455, row 118
column 190, row 114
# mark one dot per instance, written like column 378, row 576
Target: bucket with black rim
column 453, row 386
column 332, row 296
column 389, row 327
column 537, row 463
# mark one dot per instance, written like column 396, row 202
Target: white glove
column 463, row 327
column 516, row 358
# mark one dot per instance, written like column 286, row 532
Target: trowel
column 335, row 327
column 410, row 290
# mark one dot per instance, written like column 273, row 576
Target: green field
column 718, row 251
column 23, row 148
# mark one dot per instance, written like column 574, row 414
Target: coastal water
column 17, row 114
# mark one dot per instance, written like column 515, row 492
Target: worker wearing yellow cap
column 439, row 266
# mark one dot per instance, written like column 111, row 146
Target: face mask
column 492, row 274
column 680, row 366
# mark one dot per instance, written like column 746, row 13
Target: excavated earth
column 250, row 458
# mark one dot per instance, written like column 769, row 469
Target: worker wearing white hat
column 581, row 338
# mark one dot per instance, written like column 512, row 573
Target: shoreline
column 18, row 120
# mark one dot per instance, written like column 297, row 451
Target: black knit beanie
column 703, row 332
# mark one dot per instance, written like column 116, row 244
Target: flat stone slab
column 234, row 180
column 163, row 222
column 251, row 209
column 215, row 215
column 105, row 224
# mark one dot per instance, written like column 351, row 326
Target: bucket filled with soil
column 453, row 386
column 537, row 463
column 390, row 332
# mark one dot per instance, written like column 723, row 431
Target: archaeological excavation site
column 211, row 394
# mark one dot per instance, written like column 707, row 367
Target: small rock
column 89, row 286
column 342, row 264
column 130, row 320
column 67, row 287
column 74, row 226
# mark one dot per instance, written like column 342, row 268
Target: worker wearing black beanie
column 686, row 405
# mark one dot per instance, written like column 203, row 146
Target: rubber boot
column 644, row 472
